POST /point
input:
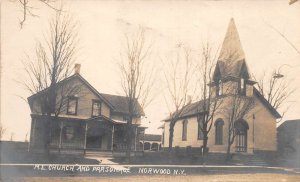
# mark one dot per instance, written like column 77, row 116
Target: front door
column 241, row 128
column 241, row 141
column 94, row 137
column 94, row 141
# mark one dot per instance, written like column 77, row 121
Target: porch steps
column 249, row 160
column 67, row 151
column 257, row 162
column 98, row 154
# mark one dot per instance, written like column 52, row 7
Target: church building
column 254, row 132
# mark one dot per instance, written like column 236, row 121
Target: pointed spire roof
column 232, row 48
column 231, row 61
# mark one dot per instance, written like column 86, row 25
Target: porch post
column 85, row 136
column 60, row 135
column 135, row 139
column 253, row 116
column 144, row 141
column 32, row 134
column 112, row 137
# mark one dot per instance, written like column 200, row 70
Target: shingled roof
column 197, row 107
column 120, row 104
column 189, row 110
column 231, row 61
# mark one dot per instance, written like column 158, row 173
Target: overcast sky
column 103, row 23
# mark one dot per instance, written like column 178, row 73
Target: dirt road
column 206, row 178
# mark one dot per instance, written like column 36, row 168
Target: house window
column 219, row 132
column 219, row 88
column 184, row 129
column 72, row 105
column 200, row 133
column 96, row 108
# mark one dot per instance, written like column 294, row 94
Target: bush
column 189, row 151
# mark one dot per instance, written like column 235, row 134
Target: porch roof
column 104, row 118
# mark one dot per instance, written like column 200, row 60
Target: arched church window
column 200, row 133
column 163, row 137
column 219, row 132
column 184, row 129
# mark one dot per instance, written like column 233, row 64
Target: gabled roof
column 74, row 76
column 120, row 104
column 189, row 110
column 116, row 103
column 231, row 61
column 266, row 103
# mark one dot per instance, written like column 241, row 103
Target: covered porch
column 92, row 135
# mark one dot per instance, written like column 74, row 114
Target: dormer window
column 219, row 88
column 242, row 86
column 242, row 83
column 96, row 108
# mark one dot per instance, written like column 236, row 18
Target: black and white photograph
column 149, row 90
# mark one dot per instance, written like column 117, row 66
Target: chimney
column 77, row 68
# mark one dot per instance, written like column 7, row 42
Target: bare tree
column 137, row 78
column 236, row 109
column 53, row 63
column 276, row 89
column 26, row 137
column 2, row 130
column 28, row 8
column 209, row 104
column 178, row 76
column 12, row 134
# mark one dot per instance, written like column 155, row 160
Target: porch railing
column 73, row 145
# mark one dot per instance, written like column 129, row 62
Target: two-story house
column 83, row 119
column 255, row 131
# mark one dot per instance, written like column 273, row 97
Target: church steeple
column 231, row 61
column 232, row 48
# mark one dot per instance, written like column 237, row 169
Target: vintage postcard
column 141, row 90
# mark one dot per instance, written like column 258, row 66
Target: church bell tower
column 231, row 73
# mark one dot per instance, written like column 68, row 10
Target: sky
column 102, row 25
